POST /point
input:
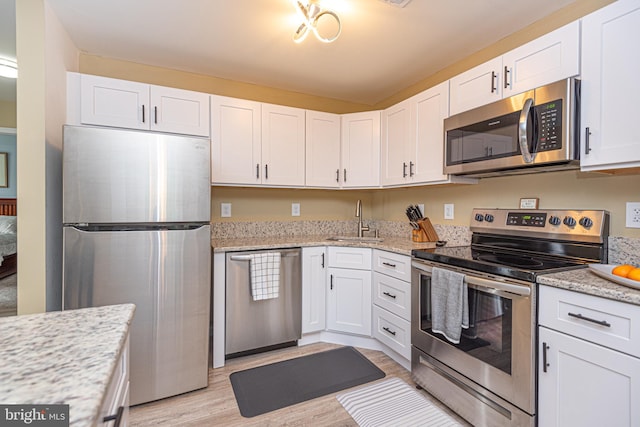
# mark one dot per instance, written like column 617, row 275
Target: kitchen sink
column 355, row 239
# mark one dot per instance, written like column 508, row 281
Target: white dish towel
column 265, row 275
column 449, row 303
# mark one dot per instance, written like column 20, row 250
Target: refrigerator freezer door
column 166, row 274
column 120, row 176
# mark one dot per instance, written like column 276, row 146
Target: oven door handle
column 487, row 284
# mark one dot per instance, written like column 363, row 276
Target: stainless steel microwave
column 534, row 131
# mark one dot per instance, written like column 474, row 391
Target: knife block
column 426, row 233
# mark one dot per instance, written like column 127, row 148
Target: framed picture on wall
column 4, row 173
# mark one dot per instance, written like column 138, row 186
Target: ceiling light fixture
column 311, row 12
column 8, row 68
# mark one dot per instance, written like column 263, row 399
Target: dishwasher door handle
column 248, row 257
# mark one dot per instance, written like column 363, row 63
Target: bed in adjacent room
column 8, row 256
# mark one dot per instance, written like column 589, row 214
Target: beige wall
column 7, row 114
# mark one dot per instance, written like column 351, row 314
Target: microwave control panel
column 549, row 117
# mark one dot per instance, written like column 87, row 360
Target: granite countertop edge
column 63, row 357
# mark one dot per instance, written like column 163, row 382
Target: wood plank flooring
column 216, row 405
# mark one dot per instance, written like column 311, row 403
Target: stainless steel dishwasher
column 253, row 326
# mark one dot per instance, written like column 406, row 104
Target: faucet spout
column 361, row 228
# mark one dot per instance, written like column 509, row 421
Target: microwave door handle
column 522, row 131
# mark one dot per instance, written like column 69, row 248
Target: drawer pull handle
column 545, row 364
column 389, row 331
column 389, row 295
column 588, row 319
column 388, row 264
column 117, row 417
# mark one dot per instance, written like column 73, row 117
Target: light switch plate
column 225, row 210
column 448, row 211
column 295, row 209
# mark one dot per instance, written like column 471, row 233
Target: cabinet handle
column 404, row 170
column 389, row 331
column 117, row 417
column 266, row 171
column 506, row 77
column 345, row 175
column 493, row 82
column 588, row 319
column 587, row 134
column 389, row 295
column 142, row 113
column 410, row 168
column 322, row 263
column 257, row 170
column 545, row 364
column 337, row 175
column 155, row 115
column 388, row 264
column 331, row 282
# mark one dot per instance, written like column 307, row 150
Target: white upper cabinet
column 397, row 140
column 547, row 59
column 610, row 136
column 235, row 141
column 322, row 150
column 360, row 151
column 120, row 103
column 283, row 136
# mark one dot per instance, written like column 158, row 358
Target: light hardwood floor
column 216, row 405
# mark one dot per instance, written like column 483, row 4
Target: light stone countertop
column 586, row 282
column 63, row 357
column 400, row 245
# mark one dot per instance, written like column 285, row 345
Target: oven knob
column 554, row 220
column 488, row 218
column 586, row 222
column 479, row 217
column 569, row 221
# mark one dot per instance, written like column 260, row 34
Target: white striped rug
column 393, row 403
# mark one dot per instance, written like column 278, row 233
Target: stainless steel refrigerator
column 136, row 230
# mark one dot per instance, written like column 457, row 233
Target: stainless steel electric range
column 489, row 376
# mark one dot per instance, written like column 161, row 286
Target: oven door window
column 488, row 337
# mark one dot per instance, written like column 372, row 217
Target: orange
column 622, row 270
column 634, row 274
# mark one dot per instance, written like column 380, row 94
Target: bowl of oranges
column 623, row 274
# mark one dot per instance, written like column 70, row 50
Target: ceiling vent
column 397, row 3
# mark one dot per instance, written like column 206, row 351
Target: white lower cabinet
column 349, row 291
column 588, row 361
column 314, row 281
column 393, row 331
column 115, row 409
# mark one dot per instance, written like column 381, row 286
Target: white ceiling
column 382, row 49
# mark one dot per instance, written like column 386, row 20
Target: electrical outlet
column 421, row 207
column 225, row 210
column 448, row 211
column 633, row 214
column 295, row 209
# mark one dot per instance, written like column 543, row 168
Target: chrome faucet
column 361, row 228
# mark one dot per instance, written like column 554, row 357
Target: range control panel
column 585, row 225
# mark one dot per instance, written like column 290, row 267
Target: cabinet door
column 361, row 149
column 349, row 301
column 431, row 107
column 179, row 111
column 235, row 141
column 322, row 150
column 283, row 159
column 314, row 281
column 610, row 136
column 396, row 141
column 477, row 86
column 585, row 384
column 113, row 102
column 547, row 59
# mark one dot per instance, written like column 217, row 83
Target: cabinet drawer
column 354, row 258
column 394, row 265
column 393, row 331
column 392, row 294
column 606, row 322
